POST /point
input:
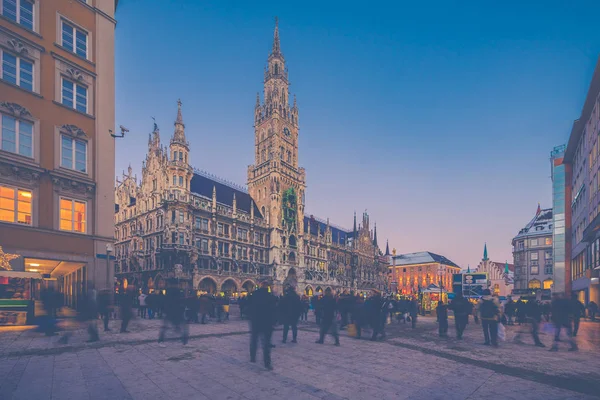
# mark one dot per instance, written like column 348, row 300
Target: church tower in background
column 275, row 181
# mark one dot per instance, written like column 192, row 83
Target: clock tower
column 275, row 181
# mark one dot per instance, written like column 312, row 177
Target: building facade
column 533, row 253
column 582, row 166
column 411, row 273
column 57, row 93
column 178, row 222
column 561, row 219
column 500, row 275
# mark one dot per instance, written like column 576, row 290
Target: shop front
column 17, row 297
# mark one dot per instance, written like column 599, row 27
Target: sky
column 436, row 117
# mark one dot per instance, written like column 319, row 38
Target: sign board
column 475, row 279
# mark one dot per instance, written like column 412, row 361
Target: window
column 74, row 95
column 534, row 242
column 181, row 181
column 72, row 215
column 220, row 247
column 204, row 224
column 181, row 216
column 74, row 39
column 533, row 256
column 174, row 180
column 226, row 228
column 205, row 245
column 20, row 11
column 17, row 136
column 15, row 205
column 244, row 252
column 548, row 269
column 181, row 238
column 154, row 184
column 534, row 284
column 548, row 284
column 535, row 269
column 226, row 248
column 242, row 234
column 73, row 154
column 17, row 71
column 548, row 241
column 521, row 245
column 548, row 255
column 181, row 156
column 220, row 228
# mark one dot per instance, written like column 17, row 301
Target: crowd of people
column 333, row 313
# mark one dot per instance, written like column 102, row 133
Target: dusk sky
column 436, row 117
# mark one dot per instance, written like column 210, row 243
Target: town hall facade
column 215, row 236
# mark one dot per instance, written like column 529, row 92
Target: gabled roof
column 203, row 185
column 423, row 257
column 540, row 225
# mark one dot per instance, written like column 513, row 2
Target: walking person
column 578, row 312
column 377, row 313
column 328, row 323
column 413, row 310
column 104, row 307
column 489, row 312
column 534, row 315
column 592, row 310
column 290, row 307
column 305, row 308
column 509, row 310
column 173, row 308
column 442, row 318
column 461, row 307
column 562, row 312
column 142, row 304
column 206, row 306
column 262, row 311
column 89, row 312
column 126, row 304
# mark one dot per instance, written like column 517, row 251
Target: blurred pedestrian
column 413, row 310
column 290, row 307
column 328, row 323
column 592, row 310
column 125, row 308
column 377, row 312
column 142, row 304
column 578, row 310
column 562, row 312
column 173, row 308
column 489, row 312
column 262, row 311
column 104, row 307
column 462, row 308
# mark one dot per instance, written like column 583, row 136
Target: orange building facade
column 57, row 95
column 414, row 271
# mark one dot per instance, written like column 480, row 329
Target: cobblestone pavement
column 410, row 364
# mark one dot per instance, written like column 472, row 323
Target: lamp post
column 109, row 250
column 440, row 274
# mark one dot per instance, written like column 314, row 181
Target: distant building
column 500, row 275
column 414, row 271
column 582, row 212
column 560, row 241
column 532, row 253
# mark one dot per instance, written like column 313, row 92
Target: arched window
column 292, row 257
column 259, row 194
column 263, row 211
column 263, row 156
column 534, row 284
column 548, row 284
column 174, row 179
column 281, row 152
column 276, row 69
column 289, row 157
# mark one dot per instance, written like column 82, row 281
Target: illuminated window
column 15, row 205
column 534, row 284
column 548, row 241
column 548, row 284
column 72, row 215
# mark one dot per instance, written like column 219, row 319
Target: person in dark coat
column 490, row 314
column 104, row 307
column 328, row 307
column 358, row 314
column 578, row 312
column 290, row 308
column 461, row 308
column 413, row 310
column 534, row 315
column 126, row 304
column 521, row 310
column 377, row 312
column 509, row 311
column 174, row 307
column 205, row 304
column 318, row 309
column 442, row 318
column 562, row 312
column 262, row 310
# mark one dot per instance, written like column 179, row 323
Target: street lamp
column 440, row 274
column 109, row 249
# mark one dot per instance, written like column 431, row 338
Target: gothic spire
column 257, row 100
column 485, row 255
column 506, row 268
column 179, row 135
column 375, row 236
column 387, row 248
column 468, row 269
column 276, row 45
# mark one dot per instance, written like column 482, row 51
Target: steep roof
column 540, row 225
column 338, row 235
column 203, row 185
column 422, row 257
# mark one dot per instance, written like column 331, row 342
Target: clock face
column 286, row 132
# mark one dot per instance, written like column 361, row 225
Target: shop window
column 72, row 215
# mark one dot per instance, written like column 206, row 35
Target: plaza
column 410, row 364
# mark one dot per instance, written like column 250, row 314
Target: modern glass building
column 558, row 175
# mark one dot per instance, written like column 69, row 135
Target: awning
column 21, row 274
